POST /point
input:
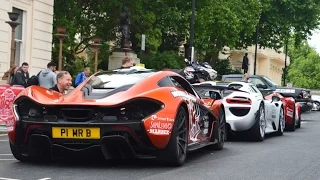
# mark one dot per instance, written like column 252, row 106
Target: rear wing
column 203, row 90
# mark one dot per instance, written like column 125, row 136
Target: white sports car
column 247, row 111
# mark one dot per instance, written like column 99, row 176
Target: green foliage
column 166, row 24
column 223, row 67
column 165, row 60
column 305, row 66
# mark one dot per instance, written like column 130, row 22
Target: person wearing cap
column 48, row 78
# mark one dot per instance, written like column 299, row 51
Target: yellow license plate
column 75, row 133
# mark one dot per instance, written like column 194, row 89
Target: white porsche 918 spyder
column 249, row 112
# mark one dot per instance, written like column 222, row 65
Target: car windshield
column 269, row 81
column 115, row 79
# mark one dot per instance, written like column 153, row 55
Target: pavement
column 293, row 156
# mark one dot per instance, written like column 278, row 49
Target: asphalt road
column 293, row 156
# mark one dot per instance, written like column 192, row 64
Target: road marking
column 304, row 122
column 3, row 135
column 5, row 154
column 4, row 140
column 45, row 178
column 2, row 178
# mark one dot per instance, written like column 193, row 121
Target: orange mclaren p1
column 145, row 114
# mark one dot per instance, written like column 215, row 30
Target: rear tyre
column 220, row 131
column 282, row 122
column 176, row 151
column 259, row 128
column 299, row 122
column 292, row 127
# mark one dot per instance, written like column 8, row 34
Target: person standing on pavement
column 82, row 76
column 21, row 76
column 48, row 77
column 64, row 82
column 245, row 63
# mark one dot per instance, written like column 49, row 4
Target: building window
column 18, row 41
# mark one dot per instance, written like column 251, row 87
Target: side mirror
column 275, row 99
column 262, row 86
column 214, row 95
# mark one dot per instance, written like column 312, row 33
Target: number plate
column 75, row 133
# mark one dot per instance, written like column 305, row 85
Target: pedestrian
column 11, row 74
column 64, row 82
column 82, row 76
column 21, row 76
column 245, row 63
column 127, row 62
column 48, row 77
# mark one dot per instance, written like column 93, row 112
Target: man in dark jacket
column 245, row 63
column 22, row 75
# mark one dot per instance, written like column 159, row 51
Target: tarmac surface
column 293, row 156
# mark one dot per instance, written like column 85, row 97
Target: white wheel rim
column 262, row 122
column 282, row 120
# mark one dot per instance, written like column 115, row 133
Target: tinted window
column 112, row 79
column 256, row 81
column 165, row 82
column 183, row 84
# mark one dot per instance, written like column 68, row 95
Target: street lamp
column 192, row 31
column 61, row 35
column 285, row 64
column 256, row 49
column 96, row 45
column 13, row 17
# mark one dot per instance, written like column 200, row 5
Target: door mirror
column 262, row 86
column 214, row 95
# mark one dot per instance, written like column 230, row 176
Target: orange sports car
column 142, row 114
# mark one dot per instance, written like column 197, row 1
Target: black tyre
column 259, row 128
column 220, row 131
column 176, row 151
column 299, row 122
column 292, row 127
column 282, row 122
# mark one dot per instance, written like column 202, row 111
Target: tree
column 305, row 66
column 220, row 23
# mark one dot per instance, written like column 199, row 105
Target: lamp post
column 285, row 64
column 192, row 31
column 96, row 45
column 61, row 34
column 13, row 17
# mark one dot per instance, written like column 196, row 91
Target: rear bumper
column 116, row 141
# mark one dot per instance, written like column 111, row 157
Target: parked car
column 265, row 85
column 129, row 114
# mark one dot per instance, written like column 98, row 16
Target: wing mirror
column 275, row 99
column 262, row 86
column 214, row 95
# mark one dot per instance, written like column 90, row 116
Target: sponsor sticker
column 183, row 95
column 286, row 90
column 155, row 117
column 159, row 131
column 160, row 125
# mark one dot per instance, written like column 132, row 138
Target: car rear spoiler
column 217, row 87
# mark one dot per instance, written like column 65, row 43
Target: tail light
column 239, row 100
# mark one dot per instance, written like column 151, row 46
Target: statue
column 125, row 27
